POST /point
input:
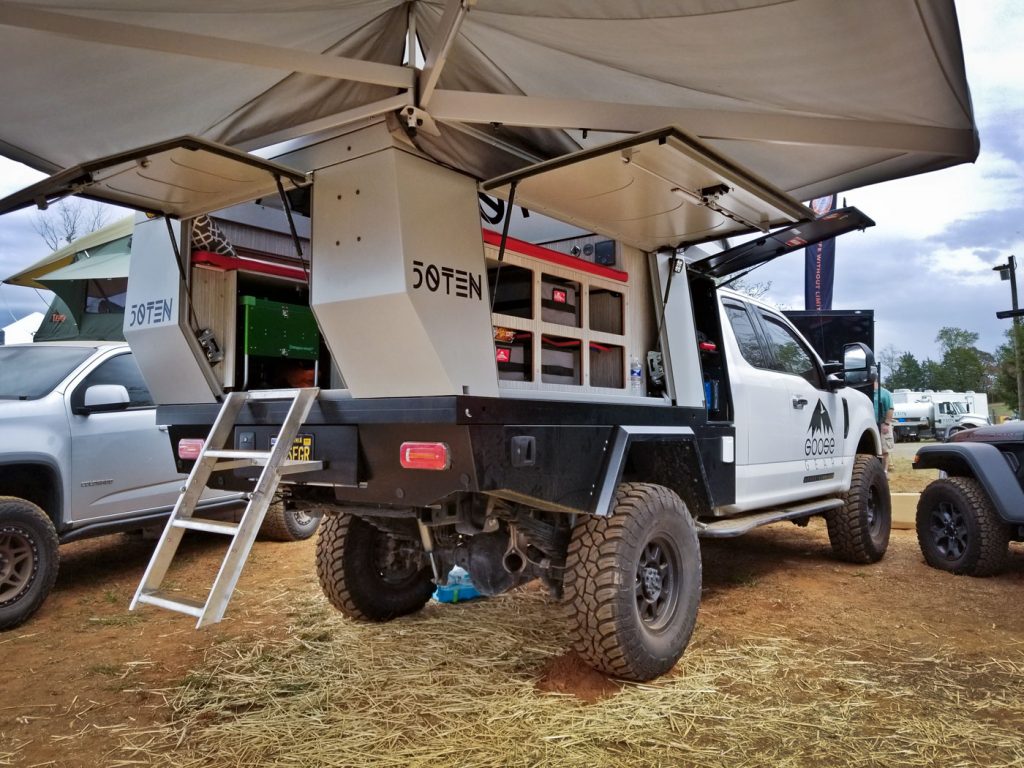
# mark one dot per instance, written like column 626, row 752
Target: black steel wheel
column 632, row 583
column 859, row 530
column 29, row 559
column 959, row 530
column 373, row 570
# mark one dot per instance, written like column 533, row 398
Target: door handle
column 799, row 402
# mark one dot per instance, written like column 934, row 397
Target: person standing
column 883, row 415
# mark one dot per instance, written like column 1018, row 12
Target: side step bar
column 737, row 526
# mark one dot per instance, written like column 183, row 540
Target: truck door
column 789, row 424
column 121, row 462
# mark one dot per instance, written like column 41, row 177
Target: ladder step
column 172, row 603
column 227, row 453
column 272, row 394
column 209, row 526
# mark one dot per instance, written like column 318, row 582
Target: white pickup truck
column 491, row 414
column 82, row 456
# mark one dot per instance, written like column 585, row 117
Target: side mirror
column 858, row 361
column 104, row 397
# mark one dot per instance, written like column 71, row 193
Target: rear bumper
column 551, row 455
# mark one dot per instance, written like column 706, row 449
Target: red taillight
column 424, row 456
column 189, row 448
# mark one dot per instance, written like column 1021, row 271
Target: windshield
column 27, row 373
column 959, row 407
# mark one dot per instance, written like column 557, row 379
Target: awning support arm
column 504, row 240
column 291, row 226
column 454, row 14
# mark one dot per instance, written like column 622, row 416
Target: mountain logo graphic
column 821, row 439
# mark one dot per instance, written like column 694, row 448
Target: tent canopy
column 111, row 239
column 815, row 96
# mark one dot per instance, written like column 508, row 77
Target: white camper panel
column 156, row 319
column 399, row 283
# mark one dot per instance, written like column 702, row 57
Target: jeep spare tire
column 959, row 530
column 29, row 559
column 633, row 583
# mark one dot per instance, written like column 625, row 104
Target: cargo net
column 207, row 236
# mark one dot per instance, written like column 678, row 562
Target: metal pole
column 1012, row 261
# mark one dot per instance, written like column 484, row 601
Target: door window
column 121, row 370
column 746, row 336
column 790, row 354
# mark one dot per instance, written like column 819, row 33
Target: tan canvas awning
column 815, row 96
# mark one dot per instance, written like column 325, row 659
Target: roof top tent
column 331, row 93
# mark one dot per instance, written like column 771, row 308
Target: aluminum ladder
column 212, row 458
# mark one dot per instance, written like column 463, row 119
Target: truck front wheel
column 29, row 559
column 369, row 572
column 959, row 529
column 632, row 583
column 859, row 530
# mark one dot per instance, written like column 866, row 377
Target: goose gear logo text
column 821, row 439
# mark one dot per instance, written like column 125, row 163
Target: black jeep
column 967, row 518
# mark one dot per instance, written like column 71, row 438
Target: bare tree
column 66, row 221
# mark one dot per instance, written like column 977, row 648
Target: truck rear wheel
column 959, row 530
column 859, row 530
column 286, row 521
column 29, row 559
column 368, row 572
column 633, row 582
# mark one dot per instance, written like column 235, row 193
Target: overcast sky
column 928, row 262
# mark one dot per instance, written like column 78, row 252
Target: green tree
column 907, row 373
column 963, row 365
column 949, row 338
column 932, row 375
column 1004, row 388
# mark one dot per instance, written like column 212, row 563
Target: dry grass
column 458, row 685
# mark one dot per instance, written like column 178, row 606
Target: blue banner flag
column 819, row 263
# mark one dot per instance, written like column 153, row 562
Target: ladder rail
column 184, row 507
column 261, row 499
column 213, row 457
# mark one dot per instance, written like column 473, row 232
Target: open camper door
column 170, row 183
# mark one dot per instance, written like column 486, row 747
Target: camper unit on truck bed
column 480, row 404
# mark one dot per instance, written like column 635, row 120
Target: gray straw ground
column 462, row 685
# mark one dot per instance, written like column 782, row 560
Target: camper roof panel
column 654, row 190
column 183, row 178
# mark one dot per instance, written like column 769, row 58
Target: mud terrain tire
column 633, row 583
column 859, row 530
column 29, row 559
column 368, row 573
column 959, row 530
column 286, row 521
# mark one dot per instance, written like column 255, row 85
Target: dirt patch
column 85, row 675
column 568, row 673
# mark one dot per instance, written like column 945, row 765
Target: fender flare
column 623, row 439
column 986, row 464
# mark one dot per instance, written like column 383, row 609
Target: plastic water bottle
column 636, row 376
